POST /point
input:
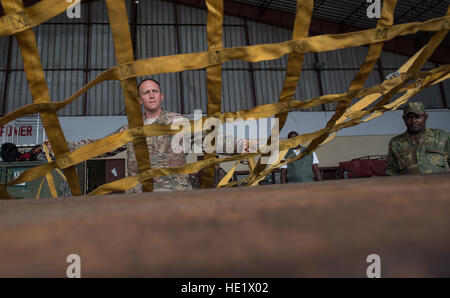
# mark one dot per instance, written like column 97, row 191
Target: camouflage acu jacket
column 161, row 155
column 429, row 155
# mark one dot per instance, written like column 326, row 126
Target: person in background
column 419, row 150
column 160, row 150
column 302, row 170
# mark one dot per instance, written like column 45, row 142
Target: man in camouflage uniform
column 419, row 150
column 159, row 147
column 160, row 151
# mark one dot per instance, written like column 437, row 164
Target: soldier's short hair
column 149, row 79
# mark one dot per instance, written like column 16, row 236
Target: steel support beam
column 86, row 63
column 7, row 74
column 251, row 70
column 180, row 74
column 134, row 16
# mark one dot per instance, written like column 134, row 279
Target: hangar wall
column 75, row 51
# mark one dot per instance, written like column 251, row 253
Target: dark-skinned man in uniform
column 419, row 150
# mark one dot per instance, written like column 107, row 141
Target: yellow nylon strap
column 214, row 29
column 294, row 67
column 55, row 106
column 359, row 116
column 429, row 48
column 124, row 54
column 39, row 90
column 177, row 63
column 115, row 141
column 284, row 145
column 128, row 182
column 430, row 80
column 438, row 79
column 369, row 99
column 356, row 109
column 356, row 84
column 254, row 179
column 26, row 18
column 109, row 143
column 418, row 61
column 38, row 194
column 48, row 176
column 284, row 148
column 251, row 165
column 190, row 168
column 228, row 176
column 295, row 59
column 132, row 69
column 49, row 159
column 374, row 52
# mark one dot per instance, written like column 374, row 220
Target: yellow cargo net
column 19, row 21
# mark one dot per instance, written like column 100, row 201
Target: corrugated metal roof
column 354, row 12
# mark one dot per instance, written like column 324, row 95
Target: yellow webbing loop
column 39, row 90
column 48, row 177
column 294, row 67
column 214, row 31
column 124, row 54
